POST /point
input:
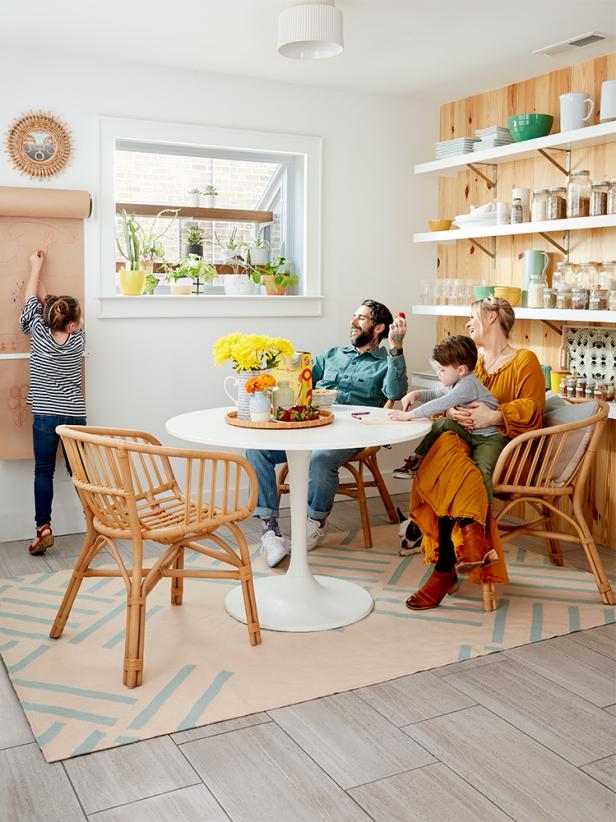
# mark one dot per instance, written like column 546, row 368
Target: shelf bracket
column 556, row 328
column 564, row 249
column 564, row 169
column 490, row 181
column 491, row 254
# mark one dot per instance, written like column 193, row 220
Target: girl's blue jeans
column 45, row 442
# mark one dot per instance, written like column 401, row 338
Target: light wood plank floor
column 528, row 734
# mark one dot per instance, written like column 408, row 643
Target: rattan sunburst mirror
column 38, row 144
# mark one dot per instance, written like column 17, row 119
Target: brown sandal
column 42, row 541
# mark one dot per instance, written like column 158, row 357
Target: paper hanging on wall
column 31, row 219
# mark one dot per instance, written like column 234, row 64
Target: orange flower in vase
column 260, row 404
column 262, row 383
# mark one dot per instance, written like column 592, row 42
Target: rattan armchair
column 356, row 488
column 530, row 470
column 129, row 492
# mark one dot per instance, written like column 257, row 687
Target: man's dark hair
column 379, row 313
column 456, row 350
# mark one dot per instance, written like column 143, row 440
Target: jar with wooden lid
column 611, row 196
column 563, row 298
column 579, row 298
column 556, row 207
column 598, row 198
column 598, row 300
column 578, row 194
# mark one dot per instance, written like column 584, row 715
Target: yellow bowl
column 439, row 225
column 512, row 295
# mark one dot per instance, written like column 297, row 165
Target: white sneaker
column 314, row 533
column 275, row 548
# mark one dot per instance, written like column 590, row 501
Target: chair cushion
column 559, row 412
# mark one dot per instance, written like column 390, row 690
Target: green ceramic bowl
column 480, row 292
column 529, row 126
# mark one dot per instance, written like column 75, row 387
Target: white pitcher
column 242, row 401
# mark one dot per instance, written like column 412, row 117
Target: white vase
column 238, row 285
column 183, row 285
column 196, row 200
column 258, row 256
column 209, row 200
column 260, row 407
column 242, row 401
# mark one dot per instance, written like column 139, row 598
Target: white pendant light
column 310, row 30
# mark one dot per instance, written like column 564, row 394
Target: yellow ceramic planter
column 131, row 282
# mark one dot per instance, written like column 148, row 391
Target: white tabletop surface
column 209, row 427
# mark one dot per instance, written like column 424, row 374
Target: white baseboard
column 19, row 523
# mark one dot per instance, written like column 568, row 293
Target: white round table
column 298, row 601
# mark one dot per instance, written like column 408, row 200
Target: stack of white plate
column 459, row 145
column 492, row 137
column 480, row 217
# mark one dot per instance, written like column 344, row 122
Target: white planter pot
column 238, row 285
column 182, row 286
column 258, row 256
column 209, row 200
column 196, row 200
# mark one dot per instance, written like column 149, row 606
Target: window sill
column 158, row 306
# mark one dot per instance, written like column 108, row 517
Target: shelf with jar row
column 539, row 227
column 564, row 141
column 553, row 314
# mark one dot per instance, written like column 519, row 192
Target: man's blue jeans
column 322, row 480
column 45, row 442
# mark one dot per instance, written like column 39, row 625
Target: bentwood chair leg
column 554, row 552
column 363, row 510
column 383, row 491
column 248, row 592
column 594, row 560
column 177, row 583
column 91, row 546
column 133, row 647
column 489, row 597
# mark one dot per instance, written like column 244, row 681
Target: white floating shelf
column 543, row 227
column 564, row 315
column 578, row 138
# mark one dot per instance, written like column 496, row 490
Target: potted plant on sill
column 193, row 237
column 151, row 283
column 132, row 279
column 258, row 252
column 209, row 196
column 195, row 193
column 239, row 281
column 275, row 276
column 152, row 249
column 190, row 271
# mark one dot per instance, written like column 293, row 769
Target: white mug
column 572, row 106
column 608, row 101
column 502, row 213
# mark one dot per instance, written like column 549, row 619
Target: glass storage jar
column 607, row 275
column 563, row 298
column 580, row 388
column 587, row 275
column 578, row 194
column 538, row 209
column 599, row 392
column 549, row 298
column 598, row 198
column 598, row 300
column 563, row 387
column 517, row 211
column 590, row 389
column 609, row 391
column 571, row 387
column 536, row 287
column 612, row 301
column 556, row 208
column 565, row 275
column 611, row 196
column 579, row 298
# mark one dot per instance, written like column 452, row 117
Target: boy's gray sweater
column 467, row 389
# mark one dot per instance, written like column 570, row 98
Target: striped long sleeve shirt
column 55, row 370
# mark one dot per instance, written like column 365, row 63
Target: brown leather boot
column 434, row 590
column 477, row 552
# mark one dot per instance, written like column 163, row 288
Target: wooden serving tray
column 325, row 418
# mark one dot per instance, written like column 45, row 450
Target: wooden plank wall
column 464, row 260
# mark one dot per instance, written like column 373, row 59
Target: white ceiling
column 436, row 50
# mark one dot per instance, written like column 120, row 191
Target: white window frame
column 111, row 305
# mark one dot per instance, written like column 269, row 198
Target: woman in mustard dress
column 448, row 486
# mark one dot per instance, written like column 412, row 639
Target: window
column 268, row 189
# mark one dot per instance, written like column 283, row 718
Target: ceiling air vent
column 573, row 42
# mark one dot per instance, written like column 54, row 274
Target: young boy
column 456, row 358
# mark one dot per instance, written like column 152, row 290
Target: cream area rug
column 200, row 667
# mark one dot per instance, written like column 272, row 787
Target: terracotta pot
column 271, row 287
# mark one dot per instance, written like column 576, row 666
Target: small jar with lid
column 563, row 387
column 517, row 211
column 538, row 210
column 587, row 275
column 609, row 391
column 607, row 275
column 571, row 387
column 598, row 300
column 549, row 298
column 556, row 207
column 612, row 301
column 536, row 288
column 599, row 392
column 579, row 298
column 565, row 275
column 590, row 390
column 598, row 198
column 611, row 196
column 563, row 298
column 578, row 194
column 580, row 388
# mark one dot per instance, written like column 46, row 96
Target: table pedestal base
column 287, row 603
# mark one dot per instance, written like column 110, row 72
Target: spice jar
column 599, row 393
column 571, row 387
column 563, row 387
column 580, row 388
column 609, row 391
column 612, row 301
column 539, row 207
column 611, row 196
column 556, row 208
column 549, row 298
column 563, row 298
column 598, row 300
column 517, row 212
column 598, row 198
column 578, row 194
column 579, row 298
column 590, row 390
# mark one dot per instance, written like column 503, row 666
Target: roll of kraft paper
column 44, row 202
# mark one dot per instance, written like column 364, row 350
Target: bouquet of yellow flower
column 262, row 383
column 251, row 352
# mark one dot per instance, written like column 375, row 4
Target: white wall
column 141, row 372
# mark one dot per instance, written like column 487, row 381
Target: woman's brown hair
column 58, row 312
column 497, row 305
